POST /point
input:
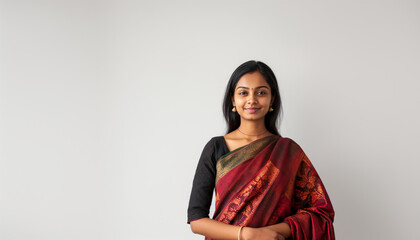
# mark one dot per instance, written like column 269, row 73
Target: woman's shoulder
column 290, row 141
column 215, row 140
column 286, row 139
column 216, row 146
column 219, row 142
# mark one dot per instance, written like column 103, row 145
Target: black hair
column 233, row 119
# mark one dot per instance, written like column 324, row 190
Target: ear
column 272, row 100
column 233, row 101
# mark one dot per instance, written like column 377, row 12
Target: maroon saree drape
column 269, row 181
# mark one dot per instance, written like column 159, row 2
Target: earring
column 271, row 109
column 234, row 109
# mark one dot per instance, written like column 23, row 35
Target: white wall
column 105, row 107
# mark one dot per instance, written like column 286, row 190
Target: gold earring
column 234, row 109
column 271, row 109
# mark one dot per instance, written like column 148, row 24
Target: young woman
column 266, row 187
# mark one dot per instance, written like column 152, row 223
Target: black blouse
column 204, row 179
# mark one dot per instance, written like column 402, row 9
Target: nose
column 252, row 98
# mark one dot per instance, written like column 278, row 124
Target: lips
column 251, row 110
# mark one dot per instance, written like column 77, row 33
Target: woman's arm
column 218, row 230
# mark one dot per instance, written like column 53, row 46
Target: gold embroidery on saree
column 245, row 203
column 240, row 156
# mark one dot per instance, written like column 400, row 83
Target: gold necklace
column 252, row 135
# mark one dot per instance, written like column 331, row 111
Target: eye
column 262, row 93
column 242, row 93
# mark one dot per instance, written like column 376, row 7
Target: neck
column 253, row 129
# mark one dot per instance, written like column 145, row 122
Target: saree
column 270, row 181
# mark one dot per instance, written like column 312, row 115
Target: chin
column 253, row 118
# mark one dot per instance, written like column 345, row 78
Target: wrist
column 247, row 233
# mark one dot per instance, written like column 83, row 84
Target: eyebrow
column 255, row 88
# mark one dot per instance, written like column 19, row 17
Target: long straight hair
column 233, row 120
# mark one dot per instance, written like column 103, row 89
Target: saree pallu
column 270, row 181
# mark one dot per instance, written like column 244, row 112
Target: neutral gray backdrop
column 105, row 107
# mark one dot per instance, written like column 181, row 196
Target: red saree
column 270, row 181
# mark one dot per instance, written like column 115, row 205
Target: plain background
column 105, row 107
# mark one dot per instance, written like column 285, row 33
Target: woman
column 266, row 187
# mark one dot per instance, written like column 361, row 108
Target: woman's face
column 252, row 96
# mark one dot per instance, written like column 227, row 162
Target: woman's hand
column 249, row 233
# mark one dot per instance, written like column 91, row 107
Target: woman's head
column 258, row 89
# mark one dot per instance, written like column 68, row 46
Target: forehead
column 251, row 80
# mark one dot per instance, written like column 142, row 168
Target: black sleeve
column 203, row 184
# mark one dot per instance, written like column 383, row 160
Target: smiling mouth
column 251, row 110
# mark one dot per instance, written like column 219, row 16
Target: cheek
column 240, row 101
column 266, row 101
